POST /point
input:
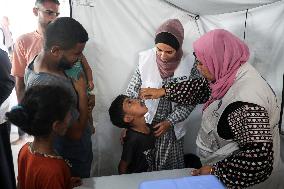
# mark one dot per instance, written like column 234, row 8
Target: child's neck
column 43, row 145
column 140, row 125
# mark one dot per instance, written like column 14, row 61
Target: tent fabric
column 211, row 7
column 118, row 30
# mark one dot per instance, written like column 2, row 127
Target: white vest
column 150, row 77
column 250, row 87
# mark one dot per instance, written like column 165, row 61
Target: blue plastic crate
column 192, row 182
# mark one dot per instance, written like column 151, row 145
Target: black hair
column 40, row 107
column 169, row 39
column 40, row 2
column 64, row 32
column 116, row 112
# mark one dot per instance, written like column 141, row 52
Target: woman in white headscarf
column 157, row 66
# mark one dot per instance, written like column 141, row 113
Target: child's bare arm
column 88, row 72
column 122, row 167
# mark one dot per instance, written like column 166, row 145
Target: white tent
column 119, row 29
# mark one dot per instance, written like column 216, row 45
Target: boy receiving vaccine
column 139, row 143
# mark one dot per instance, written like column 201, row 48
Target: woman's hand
column 151, row 93
column 205, row 170
column 161, row 128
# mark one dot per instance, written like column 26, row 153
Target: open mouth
column 142, row 102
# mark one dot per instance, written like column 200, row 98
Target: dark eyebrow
column 164, row 51
column 49, row 11
column 169, row 51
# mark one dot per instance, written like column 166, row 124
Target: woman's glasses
column 196, row 61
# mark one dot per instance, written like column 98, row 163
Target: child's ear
column 57, row 128
column 127, row 118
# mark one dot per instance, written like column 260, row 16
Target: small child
column 44, row 113
column 82, row 67
column 139, row 144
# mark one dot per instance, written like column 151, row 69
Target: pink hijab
column 223, row 54
column 174, row 27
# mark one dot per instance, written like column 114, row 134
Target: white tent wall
column 211, row 7
column 264, row 31
column 263, row 34
column 118, row 30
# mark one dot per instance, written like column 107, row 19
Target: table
column 131, row 181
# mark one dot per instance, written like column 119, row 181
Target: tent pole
column 70, row 5
column 281, row 108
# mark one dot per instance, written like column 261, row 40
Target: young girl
column 43, row 113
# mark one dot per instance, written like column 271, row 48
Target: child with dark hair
column 139, row 143
column 44, row 113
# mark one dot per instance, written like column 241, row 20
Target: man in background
column 28, row 45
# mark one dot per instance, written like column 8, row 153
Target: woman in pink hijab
column 159, row 65
column 238, row 140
